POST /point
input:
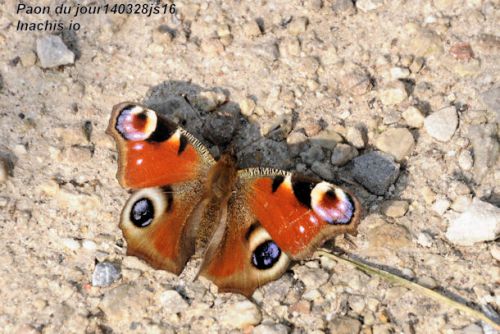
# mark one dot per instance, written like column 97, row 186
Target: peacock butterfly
column 249, row 223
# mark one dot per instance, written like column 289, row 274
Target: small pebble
column 442, row 124
column 399, row 73
column 441, row 205
column 417, row 65
column 344, row 7
column 428, row 282
column 357, row 137
column 471, row 329
column 356, row 83
column 298, row 26
column 105, row 274
column 479, row 222
column 344, row 325
column 173, row 301
column 52, row 52
column 424, row 239
column 426, row 43
column 312, row 295
column 392, row 117
column 342, row 154
column 357, row 303
column 413, row 117
column 291, row 46
column 369, row 5
column 461, row 203
column 311, row 126
column 28, row 58
column 462, row 51
column 71, row 244
column 390, row 236
column 312, row 277
column 394, row 93
column 394, row 208
column 428, row 194
column 465, row 160
column 240, row 314
column 270, row 329
column 398, row 142
column 89, row 245
column 376, row 171
column 247, row 107
column 251, row 29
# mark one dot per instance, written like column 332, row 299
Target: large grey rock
column 52, row 52
column 485, row 147
column 480, row 222
column 376, row 171
column 442, row 124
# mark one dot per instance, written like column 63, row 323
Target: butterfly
column 250, row 223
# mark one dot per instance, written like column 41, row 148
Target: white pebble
column 71, row 244
column 440, row 206
column 480, row 222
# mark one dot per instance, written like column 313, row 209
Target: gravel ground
column 400, row 101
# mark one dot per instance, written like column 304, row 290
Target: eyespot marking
column 332, row 204
column 266, row 255
column 142, row 212
column 277, row 181
column 164, row 130
column 302, row 188
column 135, row 123
column 182, row 144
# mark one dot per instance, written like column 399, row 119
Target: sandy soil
column 299, row 79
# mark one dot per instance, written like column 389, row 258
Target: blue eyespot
column 266, row 255
column 142, row 212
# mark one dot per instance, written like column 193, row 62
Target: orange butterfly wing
column 167, row 168
column 274, row 216
column 153, row 150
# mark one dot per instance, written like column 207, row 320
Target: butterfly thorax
column 221, row 178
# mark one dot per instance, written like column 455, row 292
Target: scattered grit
column 398, row 100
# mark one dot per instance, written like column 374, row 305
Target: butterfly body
column 248, row 224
